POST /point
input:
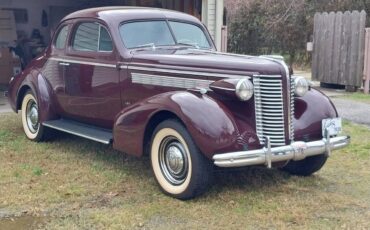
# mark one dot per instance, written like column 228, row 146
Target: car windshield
column 162, row 33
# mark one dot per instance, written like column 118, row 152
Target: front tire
column 307, row 166
column 179, row 167
column 32, row 127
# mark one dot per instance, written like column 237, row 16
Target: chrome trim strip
column 223, row 88
column 270, row 76
column 296, row 151
column 176, row 82
column 185, row 72
column 193, row 69
column 82, row 62
column 288, row 102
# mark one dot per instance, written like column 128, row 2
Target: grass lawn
column 72, row 183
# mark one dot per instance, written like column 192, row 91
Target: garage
column 26, row 26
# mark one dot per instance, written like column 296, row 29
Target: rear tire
column 306, row 167
column 32, row 127
column 179, row 167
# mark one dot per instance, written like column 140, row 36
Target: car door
column 54, row 68
column 91, row 76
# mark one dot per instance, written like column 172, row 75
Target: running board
column 90, row 132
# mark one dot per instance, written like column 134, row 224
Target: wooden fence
column 367, row 62
column 338, row 53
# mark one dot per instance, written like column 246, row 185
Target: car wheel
column 306, row 167
column 179, row 167
column 30, row 118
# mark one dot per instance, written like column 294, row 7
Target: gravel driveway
column 357, row 112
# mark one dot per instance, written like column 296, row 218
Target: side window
column 91, row 36
column 105, row 41
column 86, row 37
column 60, row 42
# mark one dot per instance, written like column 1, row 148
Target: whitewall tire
column 178, row 166
column 30, row 117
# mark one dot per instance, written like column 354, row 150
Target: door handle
column 64, row 63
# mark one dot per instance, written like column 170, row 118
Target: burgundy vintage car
column 150, row 81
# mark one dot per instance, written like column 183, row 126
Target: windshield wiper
column 188, row 44
column 152, row 45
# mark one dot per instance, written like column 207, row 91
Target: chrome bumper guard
column 296, row 151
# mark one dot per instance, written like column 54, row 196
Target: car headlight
column 301, row 86
column 244, row 89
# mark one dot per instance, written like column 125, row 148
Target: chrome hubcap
column 173, row 160
column 32, row 116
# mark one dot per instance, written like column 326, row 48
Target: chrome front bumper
column 267, row 155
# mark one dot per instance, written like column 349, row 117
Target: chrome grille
column 269, row 106
column 291, row 125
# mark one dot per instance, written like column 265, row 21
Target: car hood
column 207, row 61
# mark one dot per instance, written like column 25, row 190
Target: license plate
column 332, row 125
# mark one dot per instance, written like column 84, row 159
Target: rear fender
column 39, row 86
column 211, row 125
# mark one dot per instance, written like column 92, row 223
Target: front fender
column 310, row 110
column 211, row 125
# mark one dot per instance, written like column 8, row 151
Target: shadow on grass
column 248, row 179
column 103, row 153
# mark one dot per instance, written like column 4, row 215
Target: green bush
column 279, row 26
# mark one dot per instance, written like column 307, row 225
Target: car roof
column 126, row 13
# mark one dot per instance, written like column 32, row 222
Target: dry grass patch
column 79, row 184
